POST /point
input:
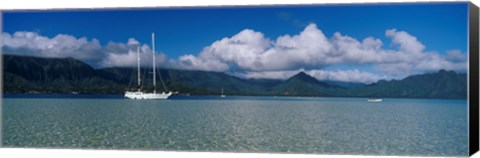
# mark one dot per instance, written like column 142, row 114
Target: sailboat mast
column 153, row 53
column 138, row 67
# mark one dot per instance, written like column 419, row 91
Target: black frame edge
column 1, row 77
column 473, row 78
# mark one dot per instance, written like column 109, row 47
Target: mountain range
column 23, row 74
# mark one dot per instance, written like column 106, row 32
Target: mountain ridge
column 66, row 75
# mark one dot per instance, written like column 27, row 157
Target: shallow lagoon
column 240, row 124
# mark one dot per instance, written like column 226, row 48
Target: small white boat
column 375, row 100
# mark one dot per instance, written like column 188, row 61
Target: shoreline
column 195, row 97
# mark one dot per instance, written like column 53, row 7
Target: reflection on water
column 248, row 124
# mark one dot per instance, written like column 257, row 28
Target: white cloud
column 250, row 50
column 61, row 46
column 435, row 61
column 406, row 42
column 251, row 54
column 346, row 75
column 243, row 50
column 121, row 55
column 191, row 62
column 33, row 44
column 349, row 50
column 133, row 42
column 456, row 56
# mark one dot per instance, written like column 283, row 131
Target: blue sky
column 439, row 27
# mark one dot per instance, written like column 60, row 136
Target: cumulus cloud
column 250, row 54
column 456, row 56
column 243, row 50
column 252, row 51
column 346, row 75
column 125, row 54
column 33, row 44
column 405, row 41
column 133, row 42
column 121, row 55
column 62, row 46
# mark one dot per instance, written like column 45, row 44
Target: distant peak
column 301, row 73
column 304, row 76
column 445, row 71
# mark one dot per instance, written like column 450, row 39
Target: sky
column 348, row 42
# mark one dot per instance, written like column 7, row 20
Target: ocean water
column 424, row 127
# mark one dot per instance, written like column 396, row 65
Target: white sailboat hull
column 141, row 95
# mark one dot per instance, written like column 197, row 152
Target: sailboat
column 145, row 95
column 223, row 95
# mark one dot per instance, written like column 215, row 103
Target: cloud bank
column 62, row 46
column 249, row 54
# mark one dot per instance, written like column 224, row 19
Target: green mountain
column 43, row 69
column 345, row 84
column 44, row 75
column 442, row 84
column 52, row 75
column 302, row 84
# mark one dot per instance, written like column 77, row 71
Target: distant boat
column 144, row 95
column 222, row 95
column 375, row 100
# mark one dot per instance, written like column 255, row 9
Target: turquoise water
column 241, row 124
